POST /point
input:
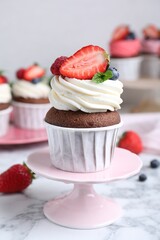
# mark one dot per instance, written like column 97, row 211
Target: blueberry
column 36, row 80
column 131, row 35
column 115, row 73
column 154, row 163
column 142, row 177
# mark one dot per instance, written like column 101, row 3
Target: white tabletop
column 21, row 215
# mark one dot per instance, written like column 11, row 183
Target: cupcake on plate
column 125, row 50
column 150, row 46
column 5, row 105
column 30, row 97
column 83, row 122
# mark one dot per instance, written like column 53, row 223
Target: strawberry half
column 120, row 33
column 15, row 179
column 151, row 31
column 32, row 72
column 131, row 141
column 85, row 63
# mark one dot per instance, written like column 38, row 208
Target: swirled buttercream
column 27, row 89
column 5, row 93
column 85, row 95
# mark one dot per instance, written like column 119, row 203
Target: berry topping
column 36, row 80
column 110, row 74
column 3, row 79
column 142, row 177
column 85, row 63
column 131, row 141
column 32, row 72
column 154, row 163
column 115, row 73
column 20, row 73
column 131, row 36
column 16, row 179
column 151, row 32
column 120, row 33
column 57, row 64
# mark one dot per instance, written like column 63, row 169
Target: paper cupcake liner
column 81, row 149
column 129, row 68
column 4, row 121
column 150, row 66
column 29, row 116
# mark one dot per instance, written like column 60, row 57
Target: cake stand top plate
column 124, row 164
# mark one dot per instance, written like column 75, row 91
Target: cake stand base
column 83, row 208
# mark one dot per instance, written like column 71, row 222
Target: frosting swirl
column 5, row 93
column 27, row 89
column 85, row 95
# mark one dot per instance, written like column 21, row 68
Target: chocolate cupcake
column 83, row 122
column 30, row 97
column 5, row 105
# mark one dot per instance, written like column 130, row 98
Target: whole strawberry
column 131, row 141
column 16, row 179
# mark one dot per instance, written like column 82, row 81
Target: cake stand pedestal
column 83, row 208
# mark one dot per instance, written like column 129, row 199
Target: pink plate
column 83, row 208
column 23, row 136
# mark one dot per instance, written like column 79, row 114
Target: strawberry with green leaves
column 88, row 63
column 15, row 179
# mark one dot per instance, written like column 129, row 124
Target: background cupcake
column 5, row 102
column 30, row 97
column 125, row 50
column 83, row 122
column 150, row 45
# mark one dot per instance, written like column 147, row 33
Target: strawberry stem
column 30, row 171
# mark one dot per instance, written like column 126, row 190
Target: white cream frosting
column 27, row 89
column 5, row 93
column 85, row 95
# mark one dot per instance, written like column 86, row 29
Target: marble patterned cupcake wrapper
column 4, row 121
column 129, row 68
column 82, row 150
column 29, row 116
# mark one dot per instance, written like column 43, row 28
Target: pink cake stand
column 83, row 208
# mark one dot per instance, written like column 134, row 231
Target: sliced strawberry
column 3, row 79
column 120, row 33
column 20, row 73
column 85, row 63
column 151, row 31
column 57, row 64
column 32, row 72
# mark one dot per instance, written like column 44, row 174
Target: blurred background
column 40, row 31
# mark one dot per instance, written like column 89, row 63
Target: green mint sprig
column 101, row 77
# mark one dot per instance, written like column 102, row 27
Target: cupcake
column 30, row 97
column 5, row 105
column 83, row 121
column 125, row 50
column 150, row 45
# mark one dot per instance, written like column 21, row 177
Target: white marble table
column 21, row 215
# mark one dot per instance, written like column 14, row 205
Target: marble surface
column 21, row 215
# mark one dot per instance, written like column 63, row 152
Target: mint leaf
column 101, row 77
